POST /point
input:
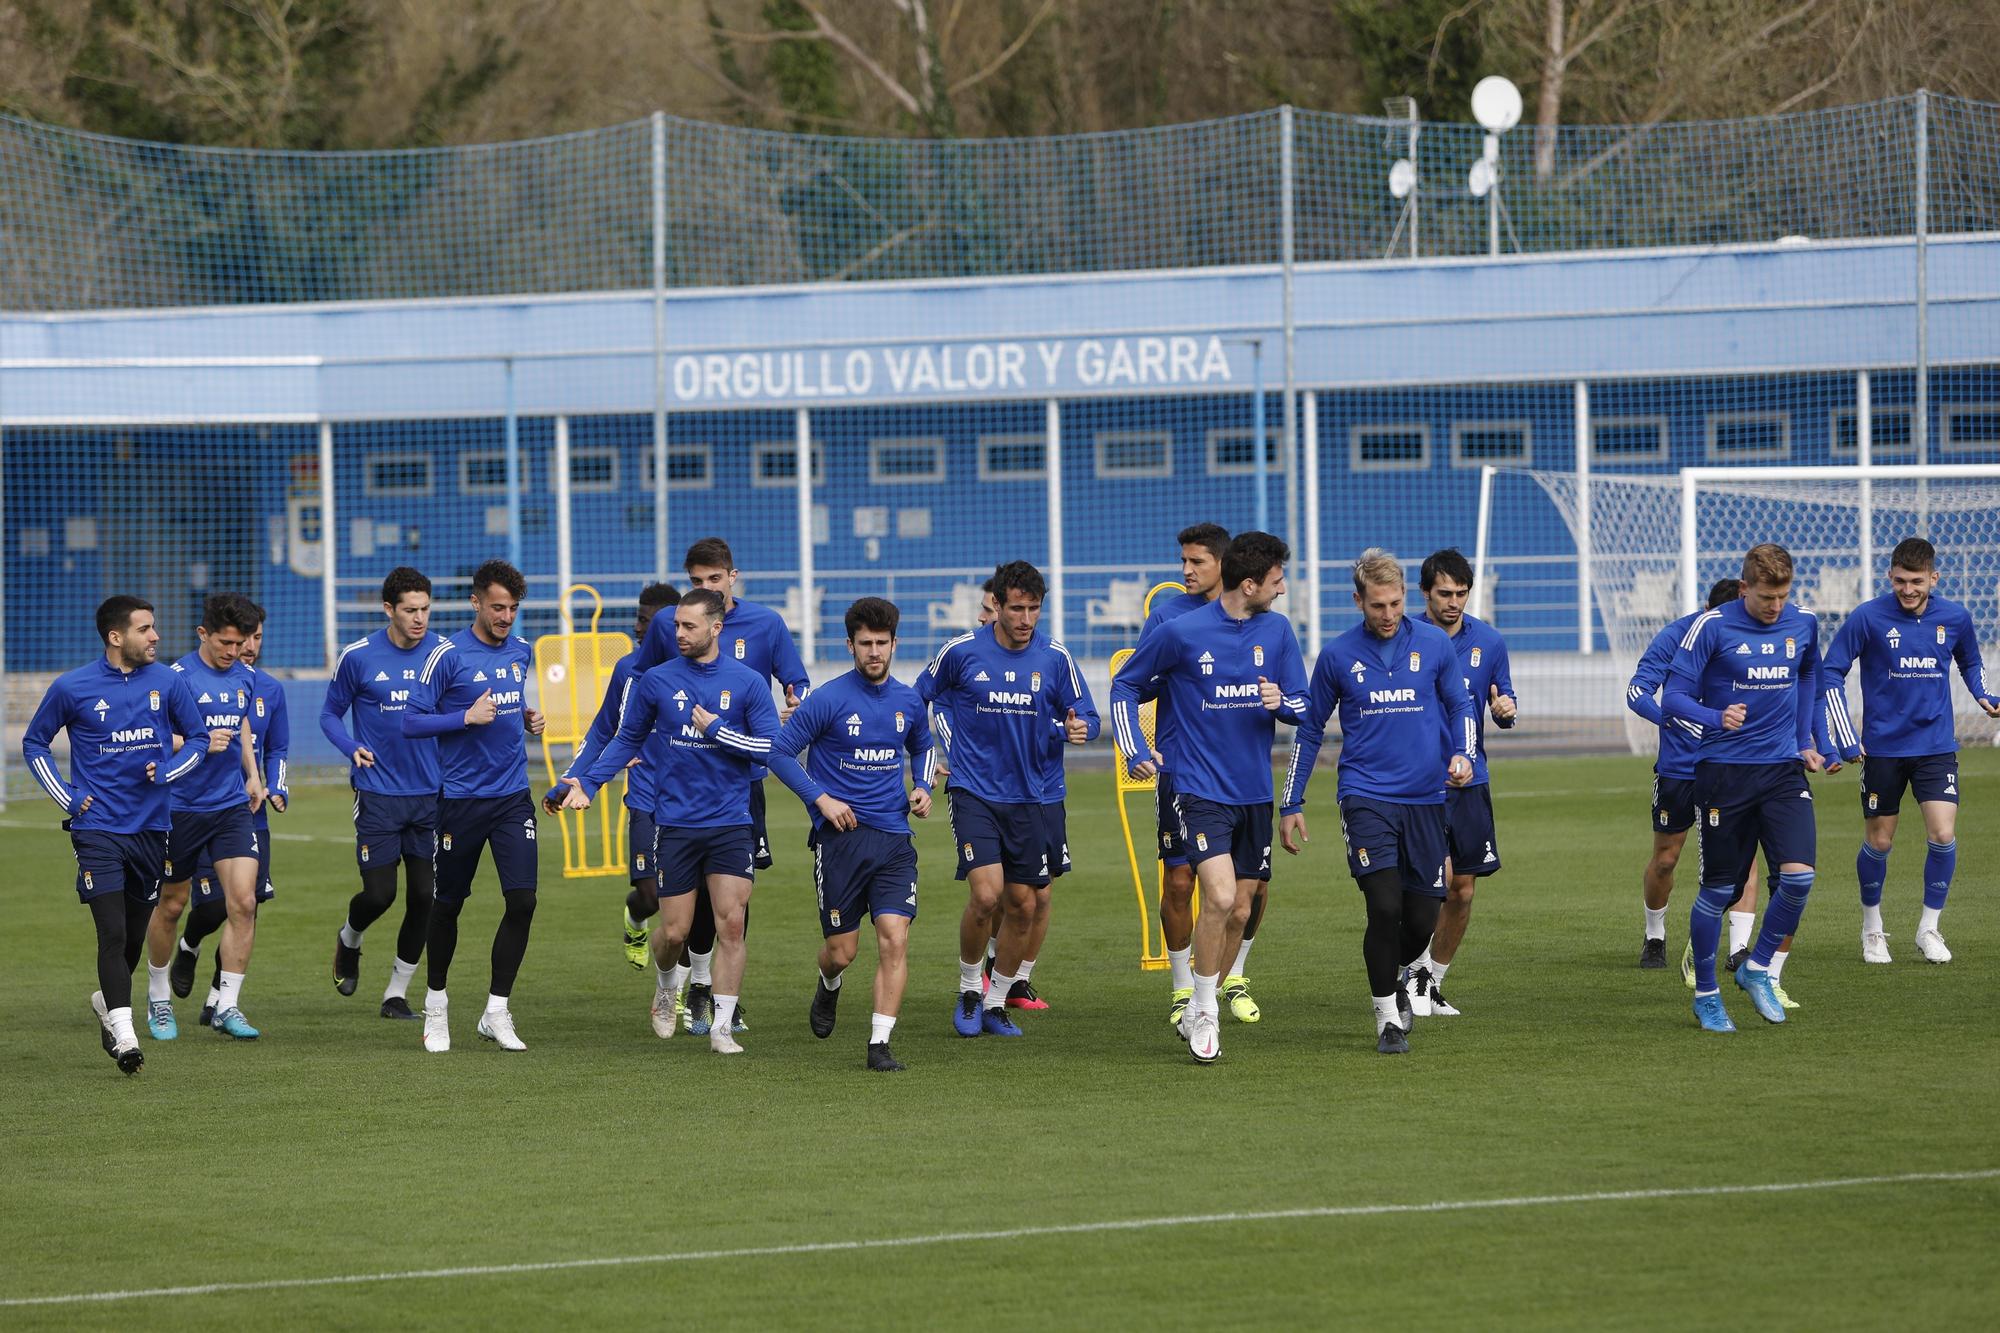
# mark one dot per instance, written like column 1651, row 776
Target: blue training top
column 701, row 778
column 1728, row 656
column 1680, row 739
column 1905, row 676
column 378, row 680
column 859, row 734
column 1000, row 705
column 118, row 722
column 477, row 761
column 224, row 699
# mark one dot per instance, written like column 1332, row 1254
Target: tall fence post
column 808, row 598
column 565, row 562
column 1920, row 419
column 1864, row 455
column 1258, row 433
column 513, row 470
column 329, row 546
column 1052, row 614
column 661, row 558
column 1586, row 635
column 1288, row 195
column 1310, row 470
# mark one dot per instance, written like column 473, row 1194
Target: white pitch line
column 1013, row 1233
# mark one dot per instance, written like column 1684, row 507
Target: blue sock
column 1940, row 863
column 1872, row 868
column 1781, row 917
column 1705, row 930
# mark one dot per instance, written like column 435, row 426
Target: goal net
column 1656, row 544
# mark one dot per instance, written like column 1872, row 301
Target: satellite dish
column 1481, row 179
column 1496, row 104
column 1402, row 178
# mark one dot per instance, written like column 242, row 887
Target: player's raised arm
column 1649, row 676
column 1073, row 695
column 1971, row 669
column 1683, row 698
column 752, row 741
column 1138, row 679
column 184, row 720
column 1322, row 701
column 635, row 723
column 1506, row 715
column 1293, row 699
column 794, row 738
column 444, row 711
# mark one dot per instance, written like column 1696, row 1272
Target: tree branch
column 1013, row 49
column 874, row 69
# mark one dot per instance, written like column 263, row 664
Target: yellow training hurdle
column 1152, row 942
column 571, row 670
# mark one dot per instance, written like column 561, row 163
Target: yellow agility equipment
column 571, row 670
column 1152, row 940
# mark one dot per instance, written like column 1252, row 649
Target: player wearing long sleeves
column 643, row 901
column 395, row 780
column 271, row 745
column 1673, row 811
column 858, row 731
column 472, row 697
column 1409, row 732
column 1747, row 673
column 1228, row 672
column 122, row 713
column 701, row 722
column 1905, row 642
column 214, row 822
column 1003, row 688
column 756, row 637
column 1446, row 582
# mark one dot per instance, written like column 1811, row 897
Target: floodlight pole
column 1493, row 197
column 1257, row 434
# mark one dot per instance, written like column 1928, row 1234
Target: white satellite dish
column 1496, row 104
column 1402, row 178
column 1481, row 179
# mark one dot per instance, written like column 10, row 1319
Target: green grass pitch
column 335, row 1146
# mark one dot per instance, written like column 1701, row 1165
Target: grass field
column 1594, row 1141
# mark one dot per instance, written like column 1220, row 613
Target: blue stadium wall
column 179, row 450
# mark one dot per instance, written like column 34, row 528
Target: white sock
column 968, row 977
column 120, row 1023
column 496, row 1004
column 400, row 973
column 996, row 995
column 725, row 1014
column 1242, row 960
column 214, row 1000
column 698, row 963
column 1871, row 920
column 157, row 985
column 231, row 992
column 435, row 999
column 1778, row 963
column 1027, row 969
column 1177, row 960
column 880, row 1027
column 1204, row 994
column 1424, row 960
column 1437, row 969
column 680, row 977
column 1929, row 919
column 830, row 982
column 992, row 947
column 631, row 924
column 350, row 936
column 188, row 948
column 663, row 980
column 1656, row 923
column 1386, row 1013
column 1740, row 926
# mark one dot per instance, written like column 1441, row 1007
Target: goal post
column 1656, row 543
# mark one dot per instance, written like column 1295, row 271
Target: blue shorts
column 1241, row 832
column 686, row 857
column 1055, row 832
column 118, row 862
column 206, row 886
column 1930, row 777
column 1013, row 837
column 467, row 826
column 389, row 828
column 639, row 836
column 862, row 870
column 1468, row 819
column 763, row 850
column 1744, row 805
column 208, row 835
column 1172, row 851
column 1385, row 834
column 1673, row 804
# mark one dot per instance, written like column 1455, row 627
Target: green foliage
column 1427, row 49
column 805, row 75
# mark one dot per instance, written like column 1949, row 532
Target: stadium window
column 396, row 476
column 775, row 463
column 1405, row 448
column 1134, row 453
column 1741, row 437
column 483, row 472
column 1622, row 441
column 1231, row 452
column 1888, row 429
column 594, row 469
column 1501, row 443
column 1972, row 426
column 905, row 462
column 1013, row 458
column 690, row 467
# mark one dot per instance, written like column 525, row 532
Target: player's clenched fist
column 482, row 710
